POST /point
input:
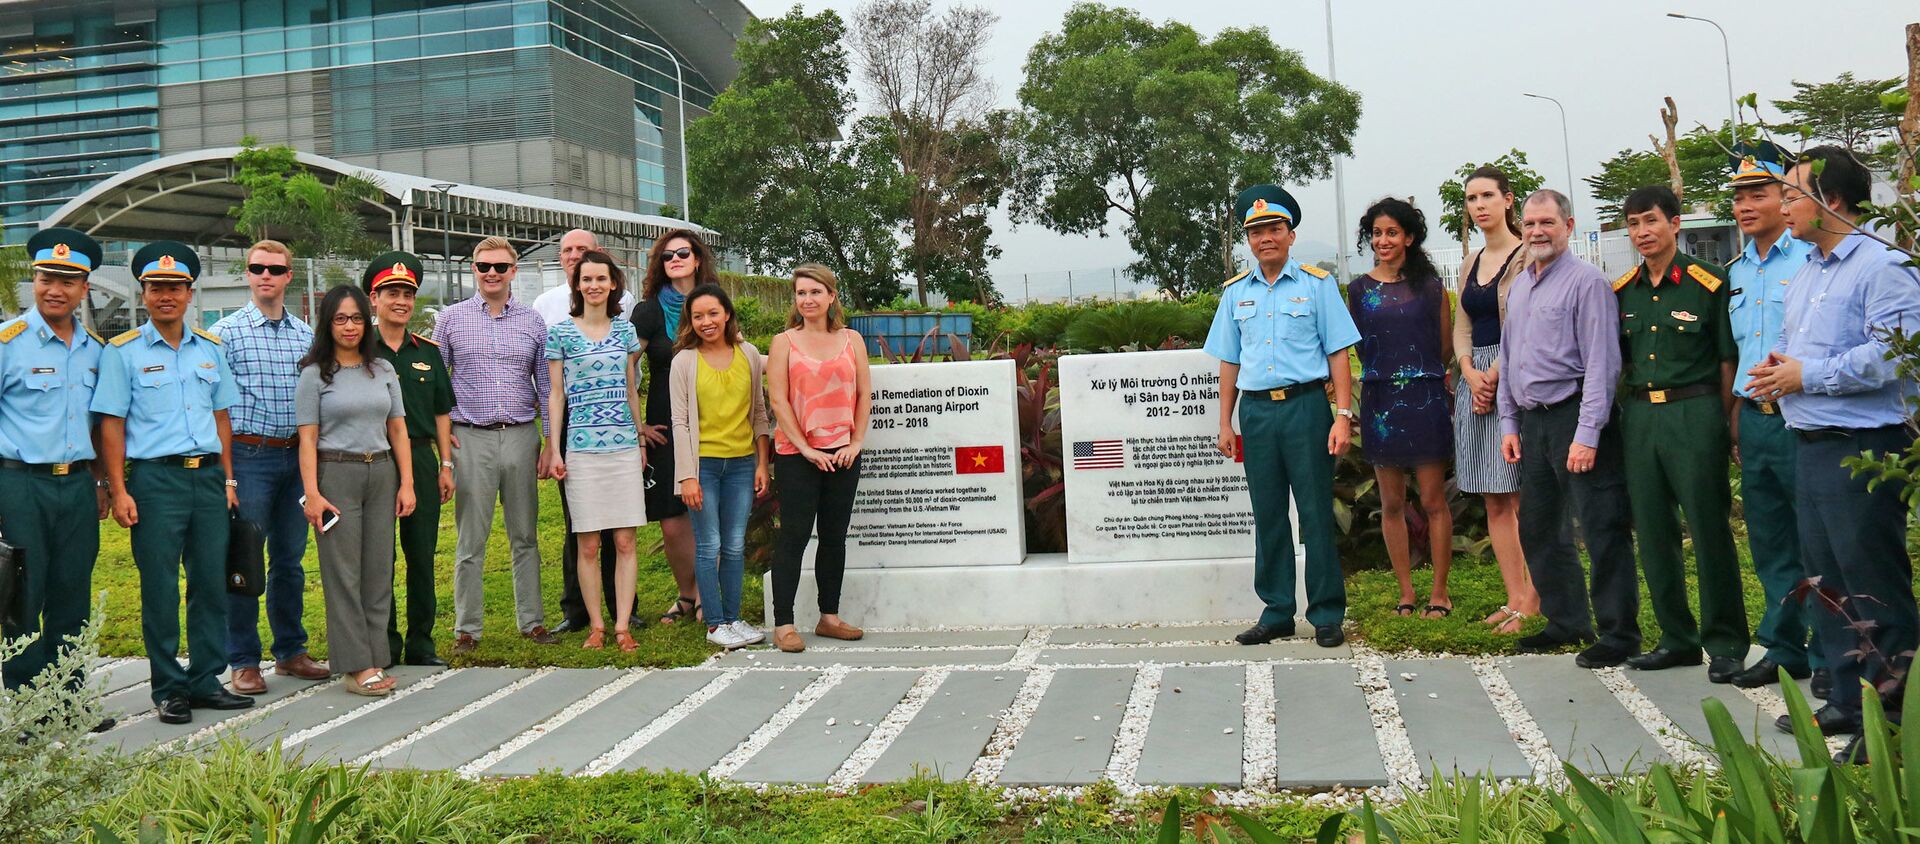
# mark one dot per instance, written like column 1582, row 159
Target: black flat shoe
column 1547, row 642
column 222, row 699
column 1721, row 669
column 1660, row 659
column 566, row 625
column 430, row 661
column 1831, row 722
column 1822, row 685
column 104, row 725
column 1329, row 636
column 1766, row 672
column 174, row 710
column 1602, row 656
column 1855, row 753
column 1261, row 634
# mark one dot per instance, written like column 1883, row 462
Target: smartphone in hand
column 326, row 524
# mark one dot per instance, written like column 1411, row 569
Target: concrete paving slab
column 122, row 676
column 811, row 658
column 320, row 707
column 1122, row 654
column 151, row 731
column 573, row 745
column 1324, row 733
column 1580, row 717
column 950, row 731
column 480, row 732
column 377, row 729
column 809, row 751
column 1679, row 693
column 1188, row 739
column 1221, row 633
column 1451, row 721
column 719, row 725
column 921, row 639
column 1063, row 744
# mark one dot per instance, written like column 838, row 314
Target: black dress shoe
column 567, row 625
column 1855, row 753
column 1261, row 634
column 222, row 699
column 1660, row 659
column 1722, row 669
column 1547, row 641
column 1822, row 683
column 1329, row 636
column 1764, row 673
column 1831, row 722
column 174, row 710
column 104, row 725
column 428, row 660
column 1602, row 655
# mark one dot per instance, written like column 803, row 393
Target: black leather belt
column 491, row 426
column 354, row 456
column 1317, row 387
column 77, row 467
column 1821, row 435
column 1674, row 394
column 184, row 461
column 1764, row 408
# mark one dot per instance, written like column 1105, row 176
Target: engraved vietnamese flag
column 979, row 460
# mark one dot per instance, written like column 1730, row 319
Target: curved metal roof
column 701, row 31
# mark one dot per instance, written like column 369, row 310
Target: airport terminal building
column 582, row 101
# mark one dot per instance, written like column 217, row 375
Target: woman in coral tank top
column 817, row 384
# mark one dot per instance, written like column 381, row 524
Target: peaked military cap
column 166, row 260
column 392, row 268
column 63, row 251
column 1758, row 163
column 1262, row 204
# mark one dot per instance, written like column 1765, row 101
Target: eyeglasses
column 349, row 319
column 485, row 267
column 680, row 254
column 269, row 269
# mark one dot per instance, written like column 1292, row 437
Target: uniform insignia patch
column 61, row 251
column 215, row 338
column 1622, row 281
column 167, row 262
column 426, row 340
column 125, row 337
column 423, row 366
column 1242, row 275
column 1734, row 292
column 158, row 367
column 207, row 364
column 1299, row 299
column 1314, row 271
column 1244, row 304
column 41, row 370
column 1684, row 316
column 1707, row 280
column 7, row 334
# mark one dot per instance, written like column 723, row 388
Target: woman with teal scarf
column 679, row 262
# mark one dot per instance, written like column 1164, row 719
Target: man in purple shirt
column 495, row 350
column 1559, row 364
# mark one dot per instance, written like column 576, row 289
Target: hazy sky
column 1441, row 83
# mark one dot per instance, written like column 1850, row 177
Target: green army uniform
column 1675, row 337
column 426, row 391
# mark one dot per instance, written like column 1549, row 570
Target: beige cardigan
column 686, row 407
column 1463, row 327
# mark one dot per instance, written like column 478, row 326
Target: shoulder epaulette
column 95, row 335
column 1314, row 271
column 1707, row 279
column 1243, row 274
column 424, row 339
column 13, row 330
column 124, row 339
column 209, row 336
column 1623, row 280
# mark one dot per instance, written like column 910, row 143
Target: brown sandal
column 625, row 640
column 595, row 640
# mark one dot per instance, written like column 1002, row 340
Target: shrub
column 1133, row 326
column 51, row 774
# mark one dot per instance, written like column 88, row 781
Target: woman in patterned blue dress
column 591, row 357
column 1406, row 416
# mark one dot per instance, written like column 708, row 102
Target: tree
column 1702, row 156
column 1163, row 126
column 1846, row 111
column 1453, row 192
column 772, row 169
column 924, row 72
column 285, row 201
column 15, row 270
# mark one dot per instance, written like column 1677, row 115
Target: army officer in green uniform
column 1281, row 333
column 164, row 437
column 427, row 392
column 1677, row 361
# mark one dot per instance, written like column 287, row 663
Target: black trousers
column 1598, row 498
column 810, row 497
column 573, row 605
column 1855, row 541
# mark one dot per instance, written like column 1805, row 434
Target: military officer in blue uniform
column 48, row 365
column 163, row 396
column 1281, row 334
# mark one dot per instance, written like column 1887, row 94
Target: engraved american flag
column 1099, row 454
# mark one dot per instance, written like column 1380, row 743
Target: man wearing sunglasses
column 263, row 343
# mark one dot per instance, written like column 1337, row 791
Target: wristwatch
column 446, row 464
column 1343, row 411
column 233, row 484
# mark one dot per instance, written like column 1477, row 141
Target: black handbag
column 13, row 574
column 246, row 558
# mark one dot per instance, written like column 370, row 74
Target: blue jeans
column 269, row 496
column 720, row 535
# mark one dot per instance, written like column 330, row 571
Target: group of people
column 1618, row 405
column 360, row 429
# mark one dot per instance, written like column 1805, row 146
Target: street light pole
column 680, row 103
column 1339, row 174
column 1726, row 52
column 1566, row 146
column 446, row 240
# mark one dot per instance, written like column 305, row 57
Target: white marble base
column 1044, row 590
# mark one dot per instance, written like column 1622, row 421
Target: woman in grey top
column 358, row 474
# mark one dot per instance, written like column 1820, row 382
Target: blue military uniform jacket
column 46, row 390
column 1758, row 301
column 167, row 395
column 1280, row 334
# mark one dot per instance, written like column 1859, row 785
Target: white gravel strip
column 1259, row 745
column 1028, row 654
column 400, row 693
column 472, row 770
column 106, row 665
column 409, row 739
column 1389, row 729
column 1123, row 767
column 249, row 716
column 652, row 729
column 1667, row 734
column 1521, row 727
column 889, row 728
column 782, row 718
column 1013, row 723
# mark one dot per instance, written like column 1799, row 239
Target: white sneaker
column 748, row 635
column 724, row 636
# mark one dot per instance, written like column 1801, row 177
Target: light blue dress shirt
column 46, row 387
column 1839, row 307
column 167, row 395
column 1758, row 301
column 1280, row 332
